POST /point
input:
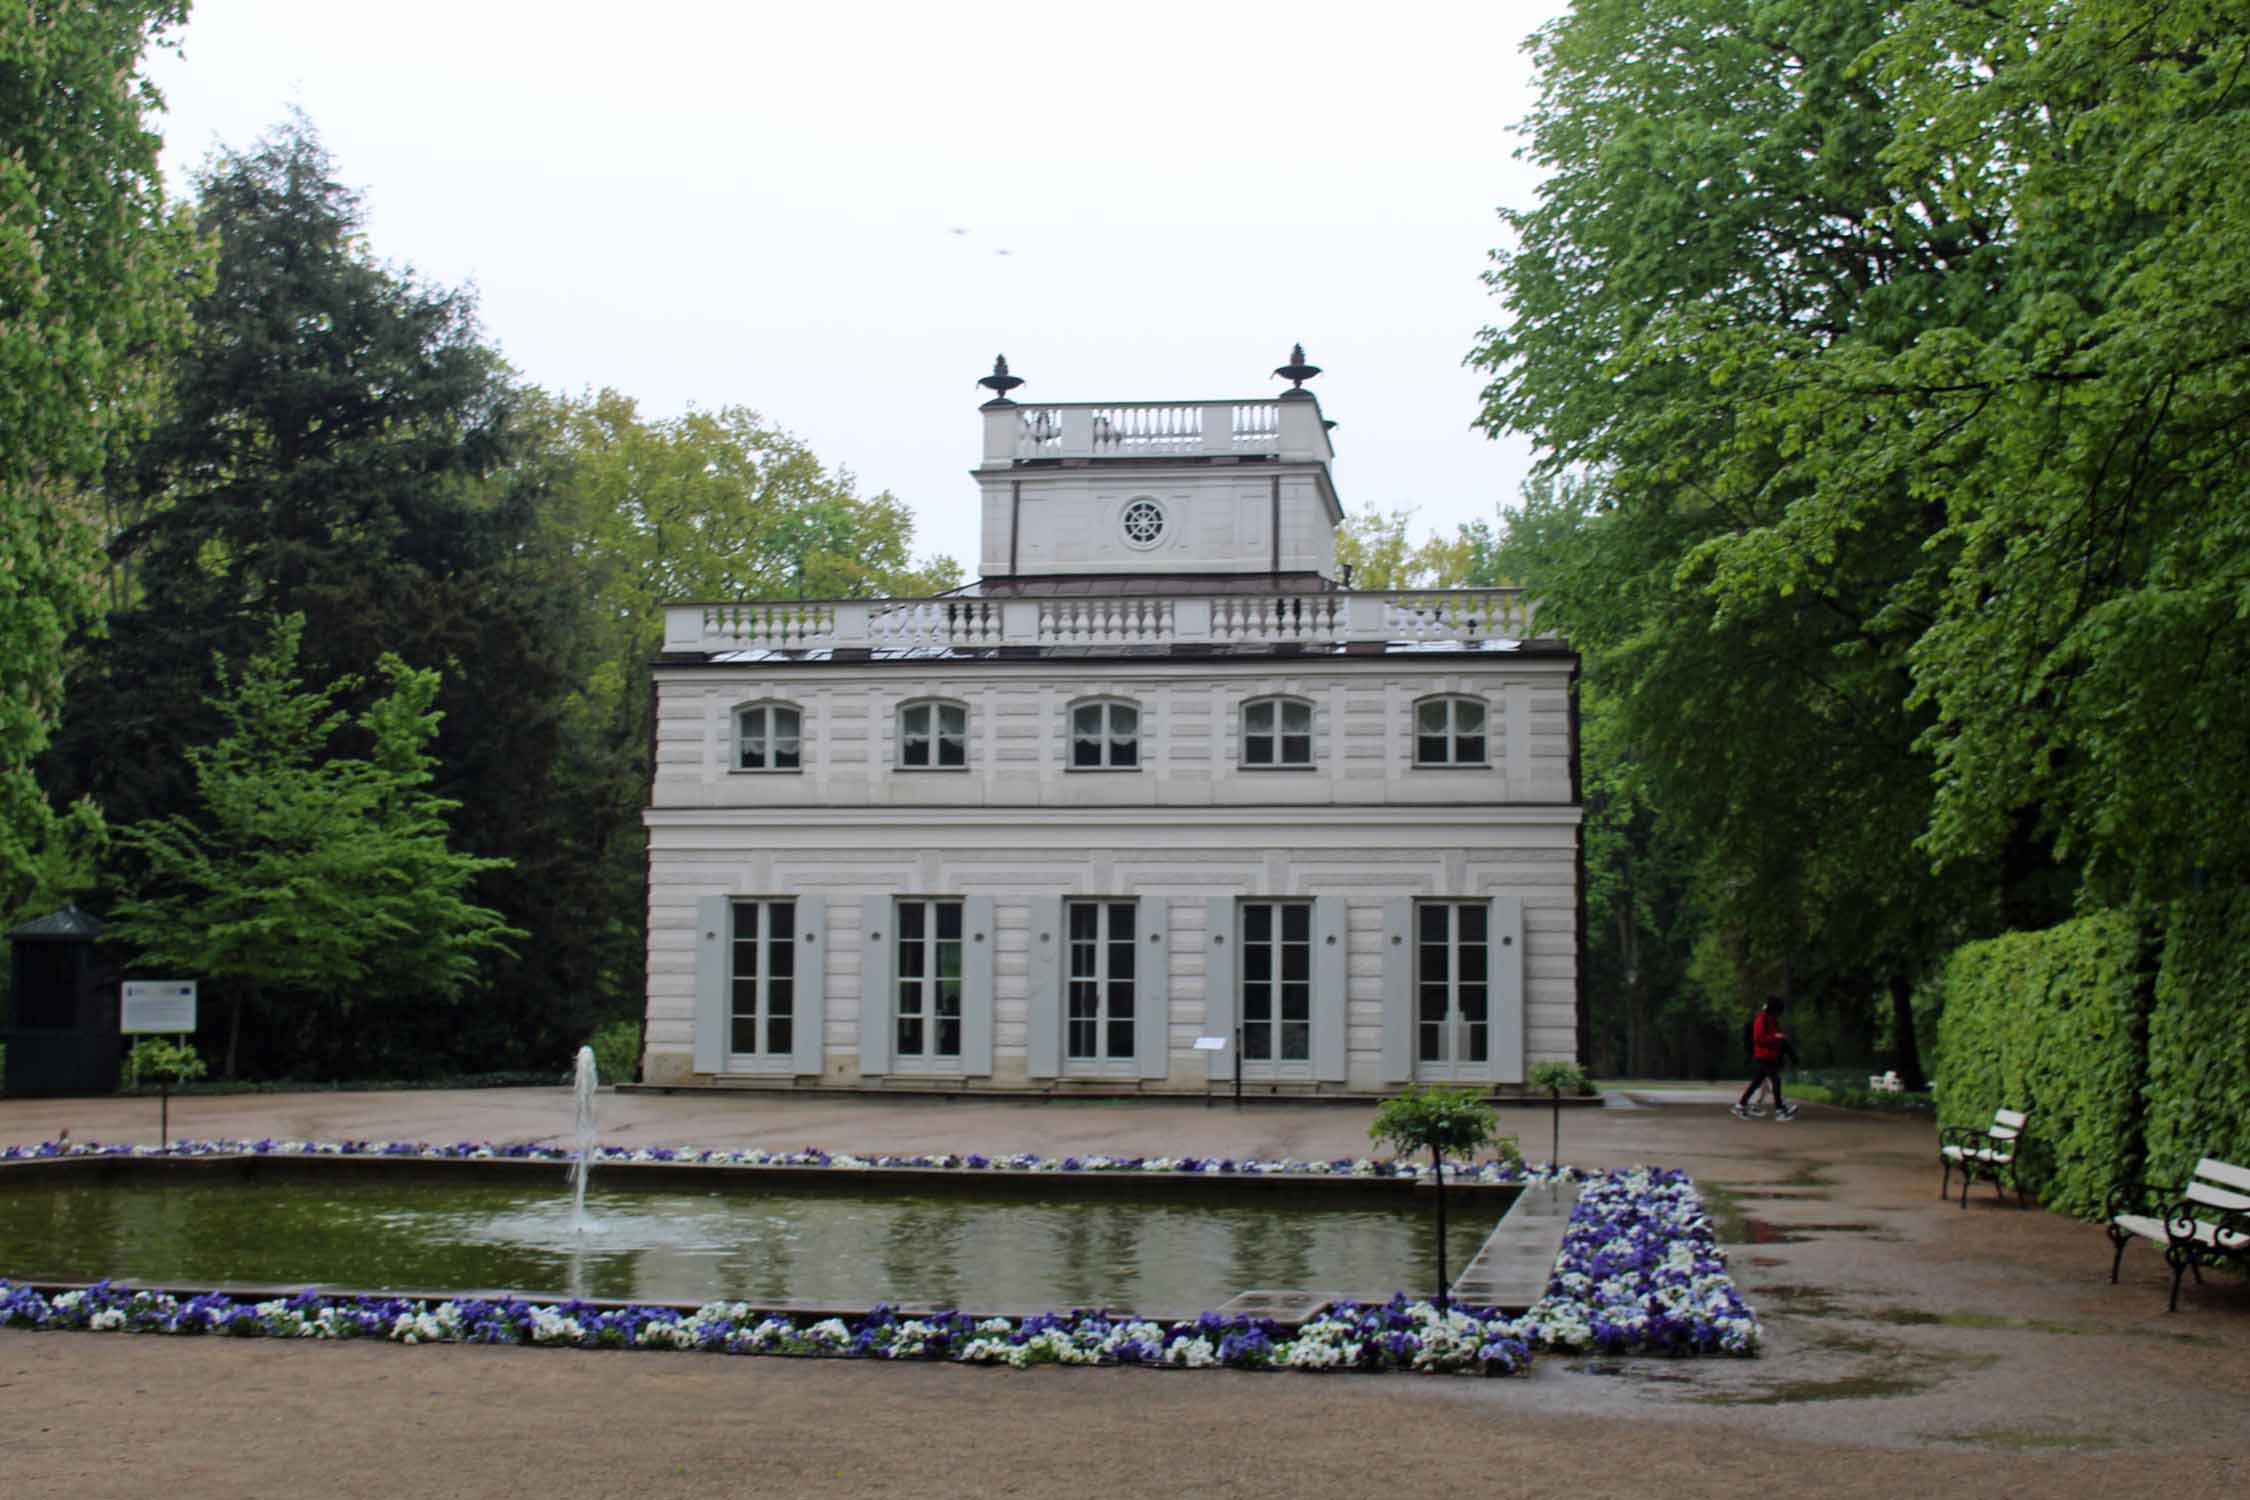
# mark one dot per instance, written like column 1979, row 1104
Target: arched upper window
column 1276, row 732
column 1105, row 735
column 1449, row 732
column 933, row 735
column 769, row 737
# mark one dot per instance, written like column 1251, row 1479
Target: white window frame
column 933, row 733
column 1273, row 1064
column 1278, row 707
column 767, row 710
column 1457, row 1032
column 1110, row 738
column 1453, row 733
column 765, row 1057
column 917, row 999
column 1105, row 1061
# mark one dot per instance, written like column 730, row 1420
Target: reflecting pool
column 1130, row 1247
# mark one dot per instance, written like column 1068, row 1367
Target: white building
column 1159, row 775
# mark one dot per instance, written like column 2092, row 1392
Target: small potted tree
column 1440, row 1121
column 1557, row 1078
column 170, row 1064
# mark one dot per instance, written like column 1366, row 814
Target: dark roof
column 70, row 922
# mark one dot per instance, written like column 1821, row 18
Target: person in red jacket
column 1770, row 1047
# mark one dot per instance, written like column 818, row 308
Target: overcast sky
column 763, row 203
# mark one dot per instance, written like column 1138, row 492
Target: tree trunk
column 234, row 1031
column 1439, row 1162
column 1902, row 1026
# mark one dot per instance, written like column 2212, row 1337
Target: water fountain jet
column 583, row 1083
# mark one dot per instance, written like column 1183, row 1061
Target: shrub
column 617, row 1051
column 2198, row 1094
column 2055, row 1023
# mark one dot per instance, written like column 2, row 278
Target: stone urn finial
column 1000, row 382
column 1297, row 371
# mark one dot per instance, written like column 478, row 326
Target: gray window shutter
column 1507, row 989
column 976, row 986
column 878, row 1001
column 1218, row 984
column 1331, row 987
column 809, row 1037
column 714, row 942
column 1044, row 1016
column 1398, row 990
column 1152, row 993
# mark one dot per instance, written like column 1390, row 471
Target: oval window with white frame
column 1143, row 523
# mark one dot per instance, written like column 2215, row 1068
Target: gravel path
column 1912, row 1346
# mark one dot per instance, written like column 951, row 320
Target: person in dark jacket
column 1770, row 1047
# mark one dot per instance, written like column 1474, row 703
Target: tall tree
column 96, row 273
column 1730, row 238
column 338, row 442
column 319, row 879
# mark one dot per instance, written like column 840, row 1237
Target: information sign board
column 158, row 1005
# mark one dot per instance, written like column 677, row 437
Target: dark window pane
column 1085, row 921
column 1121, row 999
column 949, row 921
column 1257, row 1042
column 745, row 1033
column 1436, row 958
column 1429, row 751
column 909, row 999
column 1433, row 1002
column 1296, row 1002
column 1432, row 1044
column 949, row 960
column 1468, row 751
column 1257, row 750
column 1124, row 752
column 1121, row 1038
column 1472, row 1001
column 1472, row 963
column 949, row 1037
column 1296, row 750
column 1257, row 963
column 914, row 751
column 949, row 1000
column 1433, row 923
column 953, row 750
column 1473, row 922
column 785, row 755
column 952, row 720
column 1430, row 718
column 780, row 997
column 1124, row 721
column 1121, row 921
column 1086, row 721
column 1468, row 717
column 745, row 920
column 778, row 1036
column 745, row 996
column 1296, row 962
column 1258, row 719
column 1257, row 922
column 1296, row 923
column 1476, row 1044
column 910, row 1036
column 910, row 957
column 910, row 918
column 1084, row 1000
column 1257, row 1002
column 1085, row 752
column 1082, row 1035
column 1296, row 1041
column 781, row 919
column 1121, row 961
column 1296, row 718
column 781, row 958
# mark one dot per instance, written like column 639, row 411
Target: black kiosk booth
column 62, row 1033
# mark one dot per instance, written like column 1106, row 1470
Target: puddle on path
column 1766, row 1232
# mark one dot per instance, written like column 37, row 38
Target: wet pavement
column 1909, row 1342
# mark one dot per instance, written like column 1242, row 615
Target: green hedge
column 2199, row 1039
column 2054, row 1023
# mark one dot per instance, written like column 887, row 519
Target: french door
column 1452, row 992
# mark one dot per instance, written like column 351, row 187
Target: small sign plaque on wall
column 158, row 1005
column 1210, row 1044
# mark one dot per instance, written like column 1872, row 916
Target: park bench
column 1990, row 1153
column 2200, row 1224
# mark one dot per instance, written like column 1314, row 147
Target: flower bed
column 1640, row 1271
column 1344, row 1166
